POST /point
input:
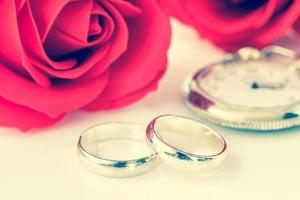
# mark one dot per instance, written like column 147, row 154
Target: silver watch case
column 239, row 117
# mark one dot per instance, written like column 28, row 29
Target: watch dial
column 252, row 84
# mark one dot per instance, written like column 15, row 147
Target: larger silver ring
column 92, row 146
column 203, row 158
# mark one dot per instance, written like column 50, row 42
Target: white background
column 44, row 164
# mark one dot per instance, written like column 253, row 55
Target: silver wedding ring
column 200, row 148
column 101, row 149
column 181, row 142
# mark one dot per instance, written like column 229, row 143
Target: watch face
column 253, row 84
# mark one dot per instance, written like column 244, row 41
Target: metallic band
column 206, row 160
column 92, row 139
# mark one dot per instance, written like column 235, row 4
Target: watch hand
column 258, row 85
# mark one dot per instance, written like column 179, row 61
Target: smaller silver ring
column 95, row 136
column 203, row 160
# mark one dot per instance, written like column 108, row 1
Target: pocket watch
column 249, row 89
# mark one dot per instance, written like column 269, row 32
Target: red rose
column 63, row 55
column 232, row 24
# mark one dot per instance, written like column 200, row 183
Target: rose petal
column 128, row 98
column 246, row 19
column 126, row 8
column 279, row 26
column 107, row 22
column 45, row 21
column 94, row 27
column 60, row 42
column 102, row 56
column 297, row 26
column 74, row 19
column 218, row 22
column 118, row 44
column 135, row 70
column 231, row 26
column 53, row 101
column 32, row 43
column 13, row 115
column 11, row 47
column 174, row 7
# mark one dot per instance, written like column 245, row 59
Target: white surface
column 44, row 164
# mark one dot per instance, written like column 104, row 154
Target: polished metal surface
column 217, row 111
column 91, row 150
column 203, row 158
